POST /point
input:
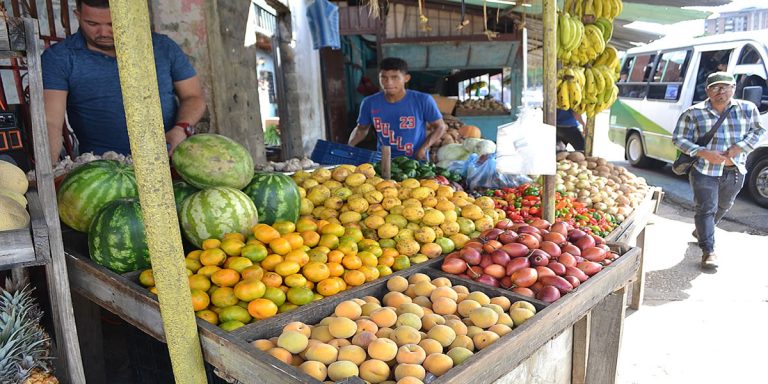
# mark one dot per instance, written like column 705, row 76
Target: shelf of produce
column 232, row 353
column 29, row 246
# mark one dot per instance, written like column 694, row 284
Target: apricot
column 353, row 353
column 461, row 289
column 443, row 292
column 281, row 354
column 444, row 305
column 368, row 308
column 502, row 301
column 263, row 344
column 430, row 346
column 363, row 339
column 325, row 321
column 438, row 364
column 405, row 335
column 397, row 284
column 460, row 296
column 500, row 329
column 366, row 325
column 463, row 341
column 338, row 343
column 459, row 354
column 314, row 369
column 473, row 330
column 292, row 341
column 349, row 309
column 382, row 349
column 484, row 339
column 480, row 297
column 411, row 291
column 299, row 327
column 384, row 332
column 409, row 380
column 384, row 317
column 409, row 370
column 505, row 319
column 409, row 319
column 430, row 320
column 442, row 282
column 496, row 308
column 342, row 327
column 418, row 277
column 444, row 334
column 520, row 315
column 466, row 306
column 410, row 308
column 395, row 299
column 303, row 353
column 321, row 333
column 322, row 352
column 340, row 370
column 523, row 304
column 424, row 288
column 483, row 317
column 423, row 301
column 457, row 325
column 374, row 371
column 411, row 354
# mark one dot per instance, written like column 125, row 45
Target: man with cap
column 718, row 174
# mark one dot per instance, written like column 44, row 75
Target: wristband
column 188, row 129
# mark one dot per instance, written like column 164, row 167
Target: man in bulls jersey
column 399, row 116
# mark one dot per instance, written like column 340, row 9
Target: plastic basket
column 329, row 153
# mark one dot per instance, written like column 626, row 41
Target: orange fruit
column 146, row 278
column 208, row 270
column 309, row 285
column 295, row 239
column 306, row 224
column 153, row 290
column 390, row 252
column 284, row 227
column 249, row 290
column 347, row 246
column 208, row 315
column 300, row 295
column 281, row 246
column 342, row 283
column 232, row 247
column 353, row 231
column 315, row 271
column 199, row 282
column 253, row 272
column 270, row 261
column 286, row 268
column 238, row 263
column 329, row 240
column 224, row 297
column 386, row 260
column 265, row 233
column 336, row 269
column 200, row 300
column 195, row 255
column 234, row 235
column 262, row 309
column 295, row 280
column 354, row 278
column 225, row 277
column 276, row 295
column 333, row 229
column 311, row 238
column 211, row 243
column 368, row 258
column 192, row 264
column 351, row 262
column 371, row 273
column 335, row 256
column 328, row 287
column 298, row 256
column 384, row 270
column 272, row 279
column 213, row 256
column 255, row 252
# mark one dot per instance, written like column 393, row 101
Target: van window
column 669, row 75
column 750, row 55
column 635, row 74
column 711, row 61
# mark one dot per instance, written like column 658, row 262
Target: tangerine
column 255, row 252
column 371, row 273
column 238, row 263
column 192, row 264
column 300, row 295
column 194, row 254
column 335, row 256
column 208, row 315
column 271, row 261
column 225, row 277
column 368, row 258
column 200, row 300
column 249, row 290
column 265, row 233
column 354, row 278
column 234, row 236
column 333, row 229
column 329, row 241
column 336, row 269
column 234, row 313
column 253, row 272
column 213, row 256
column 262, row 309
column 211, row 243
column 146, row 278
column 311, row 238
column 199, row 282
column 275, row 295
column 297, row 255
column 295, row 239
column 223, row 297
column 287, row 267
column 284, row 227
column 316, row 271
column 208, row 270
column 328, row 287
column 272, row 279
column 295, row 280
column 306, row 223
column 232, row 247
column 351, row 262
column 281, row 246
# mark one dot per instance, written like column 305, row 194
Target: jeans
column 713, row 196
column 572, row 136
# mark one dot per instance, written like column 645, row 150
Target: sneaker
column 709, row 260
column 695, row 235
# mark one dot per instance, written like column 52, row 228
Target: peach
column 444, row 305
column 312, row 342
column 411, row 291
column 459, row 354
column 452, row 317
column 463, row 341
column 366, row 325
column 292, row 341
column 429, row 321
column 394, row 299
column 442, row 282
column 300, row 327
column 409, row 319
column 296, row 360
column 417, row 277
column 460, row 296
column 473, row 330
column 409, row 380
column 405, row 335
column 370, row 300
column 480, row 297
column 374, row 371
column 338, row 343
column 263, row 344
column 505, row 319
column 411, row 354
column 466, row 306
column 382, row 349
column 353, row 353
column 428, row 311
column 342, row 327
column 325, row 320
column 483, row 317
column 410, row 308
column 349, row 309
column 340, row 370
column 444, row 334
column 501, row 301
column 367, row 308
column 322, row 352
column 484, row 339
column 409, row 370
column 384, row 317
column 496, row 308
column 500, row 329
column 315, row 369
column 281, row 354
column 424, row 288
column 520, row 315
column 423, row 301
column 523, row 304
column 363, row 339
column 431, row 346
column 359, row 301
column 384, row 332
column 458, row 326
column 461, row 289
column 443, row 292
column 438, row 364
column 397, row 284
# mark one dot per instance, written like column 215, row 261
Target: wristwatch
column 188, row 129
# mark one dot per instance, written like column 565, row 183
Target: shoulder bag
column 684, row 162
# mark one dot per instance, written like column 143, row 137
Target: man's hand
column 713, row 157
column 173, row 137
column 733, row 151
column 421, row 154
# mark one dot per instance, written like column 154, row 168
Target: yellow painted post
column 589, row 135
column 138, row 81
column 549, row 20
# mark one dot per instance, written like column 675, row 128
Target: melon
column 116, row 236
column 214, row 212
column 210, row 160
column 276, row 197
column 12, row 178
column 15, row 196
column 182, row 190
column 12, row 214
column 89, row 187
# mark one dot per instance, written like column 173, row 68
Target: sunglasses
column 721, row 88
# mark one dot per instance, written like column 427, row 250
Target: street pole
column 138, row 81
column 549, row 20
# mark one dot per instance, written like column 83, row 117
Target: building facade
column 747, row 19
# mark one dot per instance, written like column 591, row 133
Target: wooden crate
column 28, row 246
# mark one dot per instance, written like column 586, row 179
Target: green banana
column 607, row 28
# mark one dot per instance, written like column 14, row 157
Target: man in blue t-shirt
column 568, row 131
column 399, row 116
column 80, row 77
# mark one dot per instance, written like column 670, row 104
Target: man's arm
column 755, row 132
column 438, row 129
column 191, row 108
column 358, row 134
column 55, row 106
column 578, row 118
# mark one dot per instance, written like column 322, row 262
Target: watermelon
column 86, row 189
column 116, row 237
column 182, row 190
column 214, row 212
column 209, row 160
column 276, row 197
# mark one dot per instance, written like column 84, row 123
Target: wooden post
column 67, row 344
column 138, row 81
column 386, row 162
column 549, row 21
column 606, row 329
column 580, row 350
column 589, row 135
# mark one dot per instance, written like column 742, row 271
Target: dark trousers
column 572, row 136
column 713, row 196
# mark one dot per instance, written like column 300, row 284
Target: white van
column 660, row 80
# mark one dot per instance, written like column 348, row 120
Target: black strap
column 706, row 138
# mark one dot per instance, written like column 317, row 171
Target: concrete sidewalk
column 696, row 326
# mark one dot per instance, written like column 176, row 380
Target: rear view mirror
column 753, row 94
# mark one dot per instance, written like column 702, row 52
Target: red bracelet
column 188, row 129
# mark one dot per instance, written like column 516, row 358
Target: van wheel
column 635, row 153
column 758, row 182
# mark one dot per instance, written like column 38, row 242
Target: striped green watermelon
column 276, row 197
column 182, row 190
column 116, row 237
column 214, row 212
column 86, row 189
column 209, row 160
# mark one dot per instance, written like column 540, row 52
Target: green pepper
column 399, row 159
column 531, row 191
column 428, row 175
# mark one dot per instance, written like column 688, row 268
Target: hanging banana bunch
column 590, row 10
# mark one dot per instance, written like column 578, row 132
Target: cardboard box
column 445, row 104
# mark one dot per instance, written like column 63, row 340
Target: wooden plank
column 5, row 44
column 67, row 345
column 17, row 247
column 580, row 350
column 17, row 35
column 39, row 227
column 638, row 286
column 639, row 217
column 605, row 338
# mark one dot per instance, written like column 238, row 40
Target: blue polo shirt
column 94, row 100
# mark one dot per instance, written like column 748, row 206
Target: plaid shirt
column 741, row 127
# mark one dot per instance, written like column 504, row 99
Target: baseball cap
column 720, row 78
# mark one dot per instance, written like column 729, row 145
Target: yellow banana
column 567, row 6
column 607, row 9
column 563, row 102
column 562, row 31
column 599, row 83
column 619, row 6
column 578, row 9
column 589, row 8
column 589, row 91
column 598, row 6
column 574, row 93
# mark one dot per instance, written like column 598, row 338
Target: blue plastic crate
column 330, row 153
